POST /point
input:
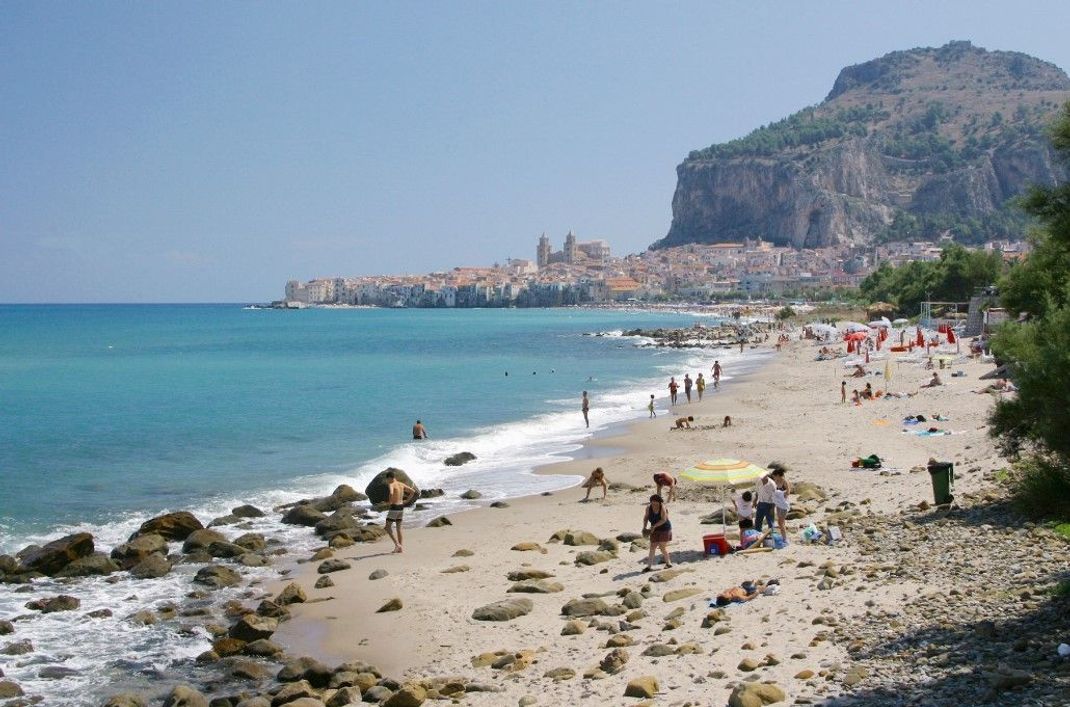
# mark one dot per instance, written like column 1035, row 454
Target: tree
column 1038, row 419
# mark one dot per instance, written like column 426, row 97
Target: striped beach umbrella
column 724, row 473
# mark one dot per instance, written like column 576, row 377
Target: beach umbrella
column 726, row 473
column 901, row 322
column 855, row 326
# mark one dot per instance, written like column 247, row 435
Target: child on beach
column 700, row 385
column 683, row 423
column 660, row 533
column 650, row 406
column 597, row 478
column 744, row 503
column 843, row 391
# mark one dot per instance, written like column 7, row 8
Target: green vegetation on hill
column 971, row 230
column 952, row 278
column 808, row 127
column 1037, row 420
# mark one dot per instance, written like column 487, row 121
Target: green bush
column 785, row 313
column 1041, row 488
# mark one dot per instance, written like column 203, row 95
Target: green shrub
column 1041, row 488
column 785, row 313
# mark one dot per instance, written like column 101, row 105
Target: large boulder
column 291, row 594
column 459, row 458
column 348, row 494
column 377, row 488
column 97, row 564
column 172, row 526
column 153, row 566
column 584, row 607
column 247, row 511
column 310, row 670
column 57, row 554
column 303, row 514
column 251, row 628
column 217, row 577
column 339, row 520
column 200, row 539
column 505, row 610
column 49, row 605
column 137, row 549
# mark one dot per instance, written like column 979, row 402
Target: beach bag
column 811, row 534
column 871, row 462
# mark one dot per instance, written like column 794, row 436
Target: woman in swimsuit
column 657, row 517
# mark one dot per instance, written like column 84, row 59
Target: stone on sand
column 645, row 687
column 505, row 610
column 755, row 694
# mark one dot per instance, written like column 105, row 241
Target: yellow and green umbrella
column 724, row 473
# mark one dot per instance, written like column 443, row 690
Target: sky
column 210, row 151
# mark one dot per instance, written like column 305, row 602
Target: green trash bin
column 943, row 478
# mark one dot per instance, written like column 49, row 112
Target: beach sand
column 789, row 411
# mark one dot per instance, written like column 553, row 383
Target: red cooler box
column 715, row 544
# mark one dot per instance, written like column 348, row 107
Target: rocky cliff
column 910, row 145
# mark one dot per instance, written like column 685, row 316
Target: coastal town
column 586, row 272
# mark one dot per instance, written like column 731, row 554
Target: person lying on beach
column 743, row 593
column 859, row 371
column 683, row 423
column 934, row 382
column 1003, row 386
column 663, row 480
column 597, row 478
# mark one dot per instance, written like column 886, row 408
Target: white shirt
column 780, row 500
column 766, row 490
column 744, row 509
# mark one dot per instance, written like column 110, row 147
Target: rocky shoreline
column 236, row 628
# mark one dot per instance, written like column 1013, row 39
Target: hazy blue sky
column 210, row 151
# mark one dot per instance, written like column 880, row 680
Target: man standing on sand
column 586, row 405
column 398, row 496
column 673, row 387
column 716, row 374
column 687, row 386
column 419, row 431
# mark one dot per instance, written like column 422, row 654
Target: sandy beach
column 789, row 411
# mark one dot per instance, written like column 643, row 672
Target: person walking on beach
column 398, row 496
column 673, row 387
column 687, row 386
column 656, row 516
column 419, row 431
column 650, row 407
column 716, row 374
column 700, row 385
column 586, row 405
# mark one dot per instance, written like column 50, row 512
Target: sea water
column 110, row 414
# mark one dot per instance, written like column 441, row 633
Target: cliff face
column 942, row 136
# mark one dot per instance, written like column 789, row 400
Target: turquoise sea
column 110, row 414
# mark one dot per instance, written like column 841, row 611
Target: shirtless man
column 398, row 495
column 585, row 404
column 716, row 374
column 419, row 431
